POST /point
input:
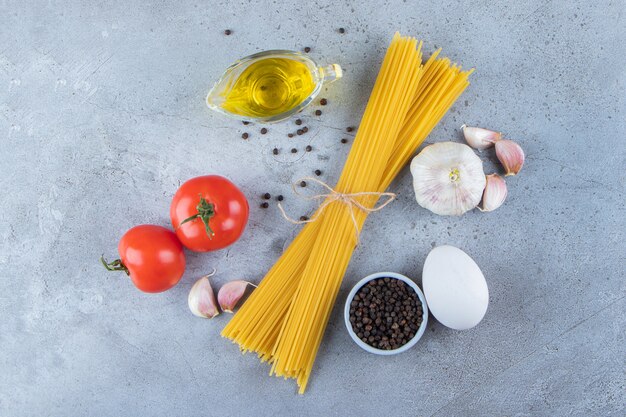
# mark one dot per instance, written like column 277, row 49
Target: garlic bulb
column 202, row 299
column 231, row 293
column 479, row 138
column 495, row 193
column 510, row 155
column 448, row 178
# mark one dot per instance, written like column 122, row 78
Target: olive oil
column 269, row 87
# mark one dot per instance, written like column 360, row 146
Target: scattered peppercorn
column 294, row 150
column 298, row 122
column 349, row 129
column 307, row 49
column 265, row 205
column 305, row 129
column 289, row 135
column 302, row 183
column 275, row 151
column 386, row 313
column 318, row 172
column 245, row 123
column 280, row 198
column 263, row 131
column 323, row 102
column 245, row 136
column 318, row 112
column 228, row 32
column 303, row 218
column 344, row 140
column 299, row 132
column 267, row 196
column 342, row 30
column 308, row 148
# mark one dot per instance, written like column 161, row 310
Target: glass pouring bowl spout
column 330, row 73
column 270, row 86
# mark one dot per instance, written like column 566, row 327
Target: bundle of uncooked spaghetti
column 284, row 319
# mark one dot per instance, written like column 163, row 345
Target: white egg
column 455, row 288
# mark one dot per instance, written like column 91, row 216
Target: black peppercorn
column 275, row 151
column 245, row 123
column 318, row 112
column 307, row 49
column 280, row 198
column 304, row 218
column 305, row 129
column 264, row 205
column 294, row 150
column 267, row 196
column 318, row 172
column 349, row 129
column 245, row 135
column 263, row 131
column 289, row 135
column 342, row 30
column 381, row 313
column 323, row 102
column 302, row 183
column 308, row 148
column 299, row 132
column 344, row 140
column 298, row 122
column 228, row 32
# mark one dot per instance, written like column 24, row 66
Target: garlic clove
column 494, row 194
column 510, row 155
column 201, row 299
column 448, row 178
column 231, row 293
column 479, row 138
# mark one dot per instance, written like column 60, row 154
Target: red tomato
column 152, row 256
column 208, row 213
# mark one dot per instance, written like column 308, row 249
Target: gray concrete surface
column 102, row 117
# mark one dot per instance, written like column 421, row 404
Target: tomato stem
column 116, row 265
column 206, row 211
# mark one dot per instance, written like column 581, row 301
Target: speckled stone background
column 102, row 116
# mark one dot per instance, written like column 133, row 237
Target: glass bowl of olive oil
column 269, row 86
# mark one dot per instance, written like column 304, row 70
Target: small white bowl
column 410, row 343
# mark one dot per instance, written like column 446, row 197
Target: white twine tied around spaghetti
column 349, row 199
